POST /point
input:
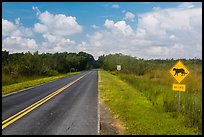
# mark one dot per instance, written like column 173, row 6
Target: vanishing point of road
column 65, row 106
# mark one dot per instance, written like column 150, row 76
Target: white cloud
column 121, row 25
column 16, row 38
column 53, row 43
column 11, row 29
column 55, row 29
column 58, row 24
column 172, row 27
column 118, row 26
column 186, row 5
column 115, row 6
column 163, row 33
column 7, row 27
column 109, row 23
column 129, row 16
column 19, row 44
column 36, row 10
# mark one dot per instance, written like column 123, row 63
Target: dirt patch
column 109, row 125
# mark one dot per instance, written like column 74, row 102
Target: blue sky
column 94, row 21
column 94, row 11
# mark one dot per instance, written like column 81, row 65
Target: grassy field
column 136, row 108
column 7, row 89
column 156, row 85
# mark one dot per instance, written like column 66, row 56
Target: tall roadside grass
column 30, row 83
column 157, row 87
column 12, row 79
column 135, row 111
column 152, row 78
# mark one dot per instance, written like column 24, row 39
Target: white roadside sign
column 118, row 67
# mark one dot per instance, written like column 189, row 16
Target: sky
column 148, row 30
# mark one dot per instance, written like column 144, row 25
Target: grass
column 156, row 85
column 22, row 85
column 162, row 97
column 136, row 111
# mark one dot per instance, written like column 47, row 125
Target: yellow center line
column 25, row 111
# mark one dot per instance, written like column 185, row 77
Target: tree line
column 139, row 66
column 49, row 64
column 46, row 64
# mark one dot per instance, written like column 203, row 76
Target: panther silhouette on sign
column 182, row 71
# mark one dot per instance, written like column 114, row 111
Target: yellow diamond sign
column 179, row 71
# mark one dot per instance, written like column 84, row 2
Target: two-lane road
column 62, row 107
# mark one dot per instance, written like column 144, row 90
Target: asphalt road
column 68, row 111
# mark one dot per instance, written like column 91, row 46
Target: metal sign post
column 179, row 96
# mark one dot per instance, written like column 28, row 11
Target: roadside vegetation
column 30, row 83
column 135, row 111
column 152, row 79
column 22, row 70
column 140, row 84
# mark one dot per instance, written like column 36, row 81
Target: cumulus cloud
column 53, row 43
column 129, row 16
column 164, row 33
column 56, row 30
column 16, row 38
column 161, row 33
column 58, row 24
column 11, row 29
column 7, row 27
column 53, row 30
column 109, row 23
column 19, row 44
column 118, row 26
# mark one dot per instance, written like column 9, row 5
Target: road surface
column 62, row 107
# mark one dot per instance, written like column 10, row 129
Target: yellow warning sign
column 179, row 87
column 179, row 71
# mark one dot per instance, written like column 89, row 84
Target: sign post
column 179, row 71
column 179, row 97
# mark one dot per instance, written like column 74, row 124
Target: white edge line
column 98, row 109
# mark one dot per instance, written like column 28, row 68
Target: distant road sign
column 179, row 71
column 118, row 67
column 179, row 87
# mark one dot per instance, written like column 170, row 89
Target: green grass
column 157, row 87
column 136, row 111
column 22, row 85
column 9, row 79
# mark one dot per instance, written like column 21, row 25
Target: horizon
column 110, row 54
column 155, row 30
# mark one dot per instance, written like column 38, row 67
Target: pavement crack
column 70, row 126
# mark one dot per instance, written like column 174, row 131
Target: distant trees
column 134, row 65
column 45, row 64
column 99, row 62
column 129, row 64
